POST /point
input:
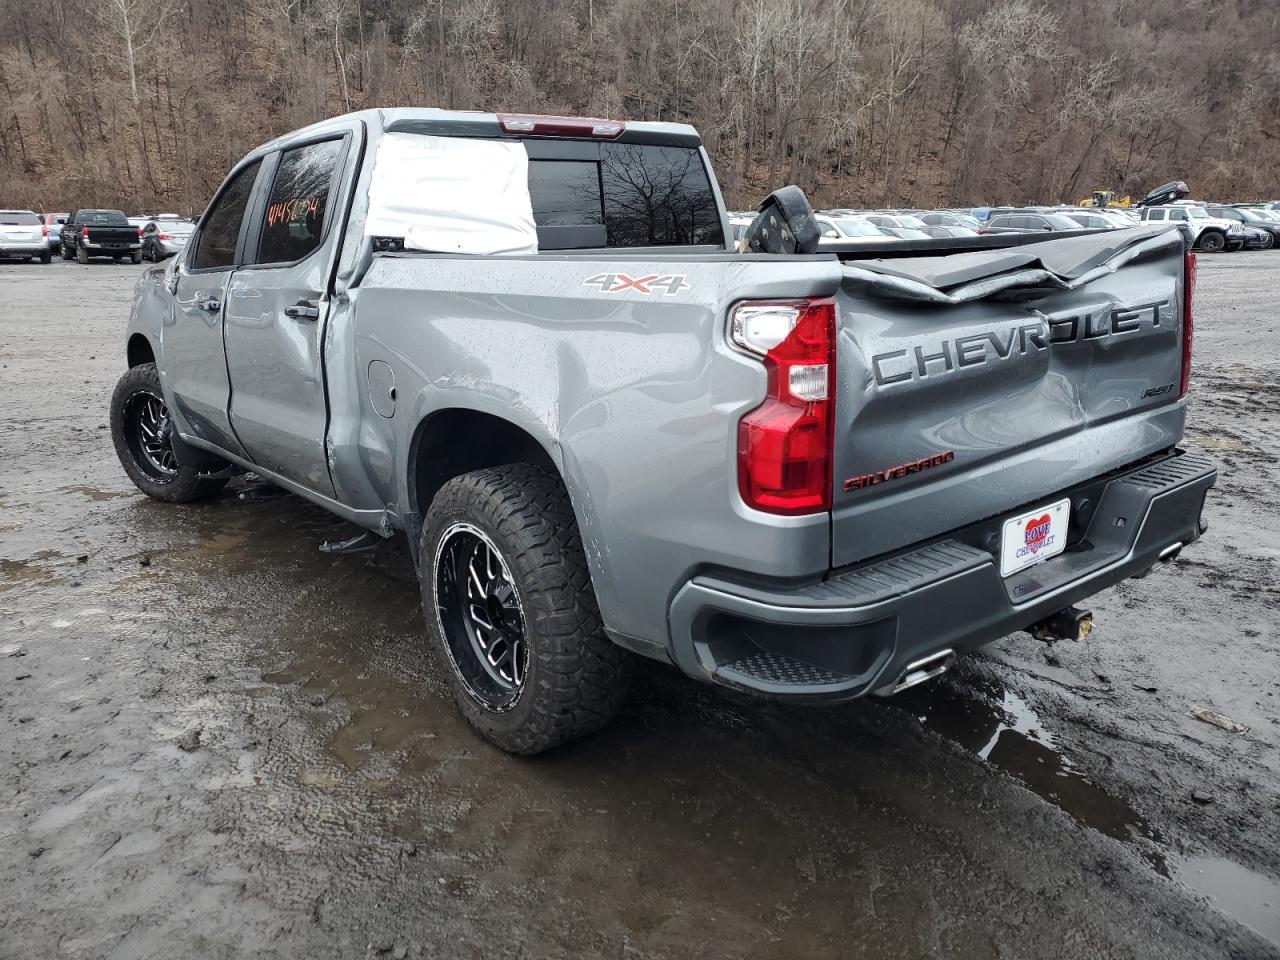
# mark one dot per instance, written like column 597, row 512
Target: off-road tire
column 576, row 679
column 82, row 255
column 1212, row 241
column 66, row 254
column 186, row 484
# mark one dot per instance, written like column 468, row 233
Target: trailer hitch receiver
column 1069, row 624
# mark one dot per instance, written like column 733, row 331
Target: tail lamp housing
column 1188, row 325
column 84, row 232
column 785, row 443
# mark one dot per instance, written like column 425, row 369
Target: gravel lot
column 218, row 742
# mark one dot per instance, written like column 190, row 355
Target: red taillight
column 163, row 236
column 139, row 233
column 1188, row 292
column 784, row 445
column 84, row 232
column 539, row 126
column 44, row 231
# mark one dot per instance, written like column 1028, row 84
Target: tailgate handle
column 303, row 310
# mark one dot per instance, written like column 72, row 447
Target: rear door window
column 220, row 231
column 294, row 222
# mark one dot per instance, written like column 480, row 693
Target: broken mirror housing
column 785, row 224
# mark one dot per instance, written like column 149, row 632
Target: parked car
column 903, row 226
column 945, row 218
column 53, row 228
column 942, row 232
column 22, row 234
column 1093, row 220
column 1257, row 239
column 1205, row 232
column 162, row 239
column 1024, row 222
column 101, row 233
column 844, row 229
column 1250, row 219
column 603, row 433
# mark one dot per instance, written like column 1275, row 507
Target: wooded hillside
column 145, row 104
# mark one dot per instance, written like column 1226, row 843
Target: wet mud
column 216, row 741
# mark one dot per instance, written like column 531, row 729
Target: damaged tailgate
column 975, row 384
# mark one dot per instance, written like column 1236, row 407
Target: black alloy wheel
column 480, row 616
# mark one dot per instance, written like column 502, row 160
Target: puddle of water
column 1005, row 730
column 1248, row 897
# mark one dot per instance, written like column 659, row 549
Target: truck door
column 195, row 368
column 277, row 306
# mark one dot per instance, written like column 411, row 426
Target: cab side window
column 216, row 246
column 294, row 222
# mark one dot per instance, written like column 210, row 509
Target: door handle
column 303, row 310
column 210, row 305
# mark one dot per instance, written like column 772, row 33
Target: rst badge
column 666, row 285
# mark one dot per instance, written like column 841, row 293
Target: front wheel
column 511, row 612
column 1211, row 241
column 142, row 432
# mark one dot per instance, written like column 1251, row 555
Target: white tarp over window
column 452, row 195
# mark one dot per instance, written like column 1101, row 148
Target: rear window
column 102, row 218
column 642, row 195
column 19, row 219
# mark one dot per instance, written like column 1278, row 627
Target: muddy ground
column 217, row 742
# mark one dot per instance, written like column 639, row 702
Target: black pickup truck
column 100, row 233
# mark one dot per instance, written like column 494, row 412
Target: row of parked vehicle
column 92, row 233
column 1210, row 226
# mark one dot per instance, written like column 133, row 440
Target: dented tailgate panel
column 951, row 412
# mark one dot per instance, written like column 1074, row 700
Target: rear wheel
column 46, row 257
column 136, row 256
column 82, row 254
column 142, row 432
column 511, row 612
column 1211, row 241
column 66, row 254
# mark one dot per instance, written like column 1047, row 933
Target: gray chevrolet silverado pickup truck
column 524, row 343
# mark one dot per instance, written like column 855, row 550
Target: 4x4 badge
column 669, row 284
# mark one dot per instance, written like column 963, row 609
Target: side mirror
column 785, row 224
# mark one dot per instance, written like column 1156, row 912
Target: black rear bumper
column 859, row 630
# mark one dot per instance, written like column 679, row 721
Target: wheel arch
column 450, row 442
column 139, row 350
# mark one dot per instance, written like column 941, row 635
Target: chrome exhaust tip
column 918, row 671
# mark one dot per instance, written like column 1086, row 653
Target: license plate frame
column 1034, row 536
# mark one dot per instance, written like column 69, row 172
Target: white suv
column 1206, row 232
